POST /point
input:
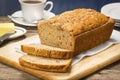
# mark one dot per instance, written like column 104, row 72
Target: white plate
column 112, row 10
column 21, row 21
column 18, row 32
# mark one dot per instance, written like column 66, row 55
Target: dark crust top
column 77, row 21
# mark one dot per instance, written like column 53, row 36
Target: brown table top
column 111, row 72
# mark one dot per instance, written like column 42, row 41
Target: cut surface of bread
column 46, row 64
column 46, row 51
column 77, row 30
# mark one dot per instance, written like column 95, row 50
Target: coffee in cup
column 33, row 10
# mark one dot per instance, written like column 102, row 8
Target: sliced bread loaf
column 46, row 64
column 77, row 30
column 46, row 51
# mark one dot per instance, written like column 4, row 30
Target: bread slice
column 46, row 51
column 46, row 64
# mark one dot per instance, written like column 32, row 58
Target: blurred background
column 7, row 7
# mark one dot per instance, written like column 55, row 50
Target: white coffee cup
column 33, row 10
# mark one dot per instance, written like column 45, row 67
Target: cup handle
column 51, row 5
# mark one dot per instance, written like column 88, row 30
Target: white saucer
column 18, row 32
column 112, row 10
column 21, row 21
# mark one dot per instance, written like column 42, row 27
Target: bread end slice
column 45, row 64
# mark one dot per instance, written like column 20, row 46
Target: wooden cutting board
column 83, row 68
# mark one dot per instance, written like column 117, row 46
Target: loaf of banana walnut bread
column 77, row 30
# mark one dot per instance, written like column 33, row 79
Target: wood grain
column 79, row 70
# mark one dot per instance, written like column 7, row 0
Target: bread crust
column 77, row 21
column 94, row 37
column 45, row 67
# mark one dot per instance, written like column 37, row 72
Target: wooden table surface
column 111, row 72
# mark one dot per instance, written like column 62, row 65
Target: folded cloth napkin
column 113, row 40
